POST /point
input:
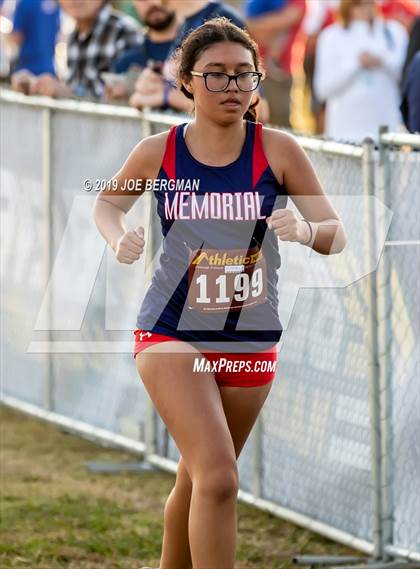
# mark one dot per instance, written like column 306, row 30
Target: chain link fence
column 398, row 324
column 335, row 449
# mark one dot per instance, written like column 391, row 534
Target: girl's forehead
column 226, row 53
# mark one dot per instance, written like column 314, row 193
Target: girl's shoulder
column 277, row 141
column 281, row 150
column 155, row 143
column 149, row 152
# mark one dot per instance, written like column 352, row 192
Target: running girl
column 214, row 294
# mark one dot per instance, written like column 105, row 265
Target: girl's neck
column 216, row 142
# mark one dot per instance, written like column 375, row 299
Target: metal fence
column 335, row 449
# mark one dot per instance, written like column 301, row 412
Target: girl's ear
column 187, row 86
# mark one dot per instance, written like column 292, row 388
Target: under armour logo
column 144, row 335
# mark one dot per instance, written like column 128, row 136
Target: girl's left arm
column 293, row 168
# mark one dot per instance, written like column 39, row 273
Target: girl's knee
column 219, row 482
column 183, row 479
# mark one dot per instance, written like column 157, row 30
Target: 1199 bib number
column 226, row 280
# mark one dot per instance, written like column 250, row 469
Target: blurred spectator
column 35, row 28
column 413, row 45
column 319, row 15
column 100, row 35
column 6, row 48
column 161, row 29
column 410, row 106
column 275, row 25
column 404, row 11
column 358, row 68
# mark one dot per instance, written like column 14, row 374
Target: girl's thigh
column 190, row 405
column 242, row 406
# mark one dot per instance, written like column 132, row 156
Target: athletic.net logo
column 201, row 365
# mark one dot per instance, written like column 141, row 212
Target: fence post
column 151, row 414
column 372, row 337
column 47, row 214
column 384, row 340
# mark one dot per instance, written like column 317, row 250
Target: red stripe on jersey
column 169, row 158
column 259, row 160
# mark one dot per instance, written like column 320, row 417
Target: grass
column 55, row 513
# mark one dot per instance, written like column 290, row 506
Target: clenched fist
column 287, row 226
column 130, row 246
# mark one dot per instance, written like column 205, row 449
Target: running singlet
column 216, row 283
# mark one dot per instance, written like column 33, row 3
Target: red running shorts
column 230, row 370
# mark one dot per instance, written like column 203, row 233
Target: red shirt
column 404, row 11
column 292, row 50
column 292, row 53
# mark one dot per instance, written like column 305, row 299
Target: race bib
column 226, row 279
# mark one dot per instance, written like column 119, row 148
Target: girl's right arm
column 112, row 204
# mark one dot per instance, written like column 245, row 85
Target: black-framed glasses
column 216, row 81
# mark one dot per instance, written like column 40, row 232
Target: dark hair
column 214, row 31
